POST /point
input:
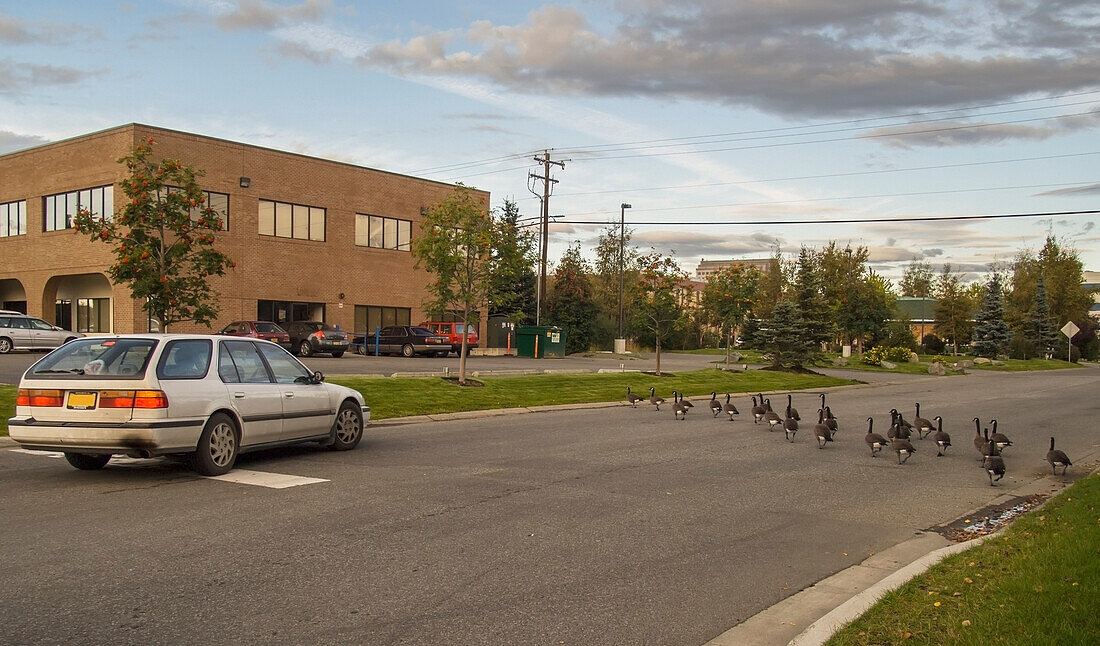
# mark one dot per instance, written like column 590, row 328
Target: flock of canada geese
column 897, row 439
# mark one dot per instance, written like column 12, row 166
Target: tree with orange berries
column 163, row 239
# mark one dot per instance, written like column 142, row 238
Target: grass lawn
column 390, row 397
column 1038, row 583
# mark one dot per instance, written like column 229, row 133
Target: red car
column 258, row 330
column 453, row 332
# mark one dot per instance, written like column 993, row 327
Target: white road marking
column 239, row 476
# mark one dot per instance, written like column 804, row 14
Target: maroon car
column 258, row 330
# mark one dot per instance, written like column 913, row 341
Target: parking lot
column 608, row 525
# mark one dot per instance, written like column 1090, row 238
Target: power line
column 934, row 218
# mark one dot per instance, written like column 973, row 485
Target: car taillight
column 34, row 397
column 150, row 399
column 319, row 334
column 116, row 399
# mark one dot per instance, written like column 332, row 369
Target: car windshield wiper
column 70, row 371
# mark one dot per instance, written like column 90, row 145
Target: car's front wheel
column 348, row 429
column 87, row 461
column 407, row 350
column 217, row 450
column 305, row 349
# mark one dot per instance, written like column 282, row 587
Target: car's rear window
column 269, row 328
column 96, row 358
column 420, row 331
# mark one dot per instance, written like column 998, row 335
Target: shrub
column 876, row 355
column 1020, row 347
column 933, row 344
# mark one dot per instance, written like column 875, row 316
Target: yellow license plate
column 82, row 401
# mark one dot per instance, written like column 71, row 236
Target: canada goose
column 632, row 398
column 821, row 430
column 715, row 405
column 942, row 440
column 923, row 426
column 729, row 409
column 902, row 447
column 771, row 417
column 992, row 461
column 686, row 402
column 1000, row 439
column 654, row 399
column 679, row 411
column 792, row 411
column 831, row 422
column 979, row 441
column 899, row 428
column 758, row 410
column 790, row 426
column 874, row 441
column 1057, row 458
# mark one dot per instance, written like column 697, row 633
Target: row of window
column 279, row 219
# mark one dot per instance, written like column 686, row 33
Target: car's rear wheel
column 305, row 349
column 87, row 461
column 5, row 345
column 348, row 429
column 217, row 450
column 407, row 350
column 337, row 355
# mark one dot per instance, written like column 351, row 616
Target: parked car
column 21, row 332
column 258, row 330
column 453, row 332
column 205, row 396
column 408, row 340
column 310, row 337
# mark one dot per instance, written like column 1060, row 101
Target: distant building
column 920, row 312
column 708, row 267
column 1091, row 281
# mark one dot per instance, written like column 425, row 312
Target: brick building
column 312, row 238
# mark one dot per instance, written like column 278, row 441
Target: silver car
column 21, row 332
column 207, row 397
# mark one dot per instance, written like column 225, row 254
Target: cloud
column 16, row 77
column 783, row 56
column 12, row 141
column 15, row 32
column 18, row 32
column 690, row 243
column 1090, row 189
column 260, row 15
column 966, row 133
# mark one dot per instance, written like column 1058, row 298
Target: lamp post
column 620, row 342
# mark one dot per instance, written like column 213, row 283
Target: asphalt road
column 589, row 526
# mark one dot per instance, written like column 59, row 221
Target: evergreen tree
column 513, row 282
column 783, row 336
column 811, row 302
column 569, row 301
column 991, row 331
column 606, row 285
column 1041, row 328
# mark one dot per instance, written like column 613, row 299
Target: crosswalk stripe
column 238, row 476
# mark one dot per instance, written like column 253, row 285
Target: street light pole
column 622, row 239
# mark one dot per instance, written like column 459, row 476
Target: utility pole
column 547, row 181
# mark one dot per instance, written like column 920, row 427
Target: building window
column 13, row 219
column 93, row 315
column 284, row 220
column 59, row 210
column 283, row 312
column 63, row 313
column 368, row 318
column 383, row 233
column 219, row 202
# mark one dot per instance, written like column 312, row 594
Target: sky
column 732, row 127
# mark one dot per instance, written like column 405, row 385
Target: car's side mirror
column 317, row 378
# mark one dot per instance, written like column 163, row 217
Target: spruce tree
column 991, row 332
column 1040, row 328
column 783, row 336
column 811, row 303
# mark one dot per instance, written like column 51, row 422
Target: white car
column 208, row 397
column 21, row 332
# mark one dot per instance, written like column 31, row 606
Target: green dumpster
column 538, row 341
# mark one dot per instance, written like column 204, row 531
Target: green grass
column 747, row 355
column 1038, row 583
column 399, row 397
column 389, row 397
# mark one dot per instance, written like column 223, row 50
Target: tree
column 842, row 275
column 772, row 285
column 569, row 301
column 1041, row 328
column 991, row 331
column 456, row 247
column 954, row 308
column 513, row 282
column 1066, row 297
column 606, row 285
column 811, row 301
column 916, row 280
column 729, row 295
column 163, row 238
column 656, row 308
column 782, row 335
column 870, row 308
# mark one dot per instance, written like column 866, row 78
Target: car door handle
column 238, row 395
column 289, row 395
